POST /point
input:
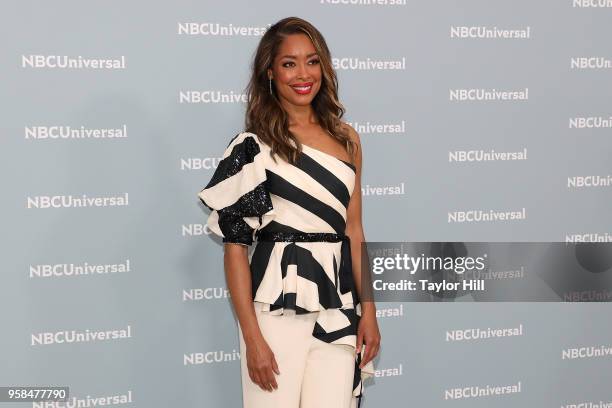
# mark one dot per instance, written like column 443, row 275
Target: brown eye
column 315, row 61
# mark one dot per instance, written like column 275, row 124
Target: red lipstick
column 302, row 88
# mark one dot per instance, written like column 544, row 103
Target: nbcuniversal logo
column 70, row 201
column 66, row 62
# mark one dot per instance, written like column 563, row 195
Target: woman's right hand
column 262, row 364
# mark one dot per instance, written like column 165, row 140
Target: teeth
column 302, row 88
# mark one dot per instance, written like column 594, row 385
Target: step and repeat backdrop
column 479, row 120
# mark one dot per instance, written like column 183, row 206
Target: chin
column 302, row 102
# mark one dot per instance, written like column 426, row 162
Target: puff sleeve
column 237, row 193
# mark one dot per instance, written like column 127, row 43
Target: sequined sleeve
column 237, row 193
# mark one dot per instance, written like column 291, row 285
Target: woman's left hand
column 367, row 332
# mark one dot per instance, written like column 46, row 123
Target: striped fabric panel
column 236, row 193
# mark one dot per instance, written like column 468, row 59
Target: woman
column 292, row 180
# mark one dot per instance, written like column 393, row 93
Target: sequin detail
column 241, row 154
column 277, row 236
column 231, row 222
column 230, row 176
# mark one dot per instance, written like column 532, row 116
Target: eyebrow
column 294, row 56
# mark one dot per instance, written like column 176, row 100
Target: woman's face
column 296, row 70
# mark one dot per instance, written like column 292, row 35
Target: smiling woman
column 291, row 181
column 293, row 94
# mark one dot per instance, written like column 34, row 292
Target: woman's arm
column 260, row 358
column 368, row 332
column 238, row 276
column 354, row 227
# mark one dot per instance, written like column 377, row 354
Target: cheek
column 318, row 76
column 285, row 78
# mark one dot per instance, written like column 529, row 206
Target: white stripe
column 228, row 191
column 296, row 216
column 303, row 181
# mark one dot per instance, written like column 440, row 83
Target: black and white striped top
column 250, row 192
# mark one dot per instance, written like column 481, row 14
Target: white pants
column 313, row 373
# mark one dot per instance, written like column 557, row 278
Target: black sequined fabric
column 254, row 203
column 241, row 155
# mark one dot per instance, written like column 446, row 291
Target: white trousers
column 313, row 373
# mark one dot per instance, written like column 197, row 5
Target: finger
column 366, row 357
column 267, row 376
column 264, row 382
column 252, row 376
column 271, row 379
column 373, row 351
column 258, row 379
column 275, row 366
column 363, row 356
column 359, row 342
column 260, row 382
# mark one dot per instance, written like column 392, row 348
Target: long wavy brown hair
column 265, row 115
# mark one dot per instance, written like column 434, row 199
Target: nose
column 303, row 71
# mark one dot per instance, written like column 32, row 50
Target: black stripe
column 275, row 226
column 328, row 337
column 242, row 153
column 351, row 165
column 332, row 336
column 259, row 264
column 282, row 188
column 309, row 268
column 279, row 305
column 250, row 204
column 324, row 177
column 234, row 228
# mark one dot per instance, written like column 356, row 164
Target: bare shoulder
column 354, row 137
column 352, row 133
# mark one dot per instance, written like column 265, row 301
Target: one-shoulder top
column 250, row 193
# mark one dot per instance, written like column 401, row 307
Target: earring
column 270, row 86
